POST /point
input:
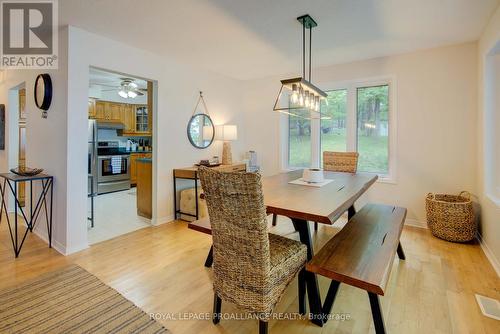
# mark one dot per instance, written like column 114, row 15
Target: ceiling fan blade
column 106, row 85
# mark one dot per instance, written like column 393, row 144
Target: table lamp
column 208, row 132
column 227, row 133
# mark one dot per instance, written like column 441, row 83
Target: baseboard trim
column 163, row 220
column 489, row 255
column 415, row 223
column 55, row 244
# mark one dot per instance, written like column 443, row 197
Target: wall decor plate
column 26, row 171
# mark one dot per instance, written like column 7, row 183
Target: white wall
column 45, row 138
column 436, row 101
column 178, row 90
column 59, row 144
column 487, row 112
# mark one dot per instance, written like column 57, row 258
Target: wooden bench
column 203, row 225
column 361, row 255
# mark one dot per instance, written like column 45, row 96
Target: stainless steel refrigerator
column 92, row 159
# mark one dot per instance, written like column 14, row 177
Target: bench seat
column 362, row 254
column 201, row 225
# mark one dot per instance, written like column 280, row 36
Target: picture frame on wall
column 2, row 127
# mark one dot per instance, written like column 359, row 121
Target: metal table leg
column 196, row 194
column 210, row 257
column 175, row 197
column 17, row 244
column 302, row 226
column 351, row 212
column 378, row 319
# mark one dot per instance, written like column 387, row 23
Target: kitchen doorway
column 120, row 154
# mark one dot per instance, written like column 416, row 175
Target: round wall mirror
column 43, row 91
column 201, row 131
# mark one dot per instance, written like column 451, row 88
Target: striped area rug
column 71, row 300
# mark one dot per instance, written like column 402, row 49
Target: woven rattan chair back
column 346, row 162
column 240, row 237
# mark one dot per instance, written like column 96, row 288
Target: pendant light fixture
column 300, row 93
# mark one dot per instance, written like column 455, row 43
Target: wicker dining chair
column 251, row 267
column 346, row 162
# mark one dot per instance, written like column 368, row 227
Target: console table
column 191, row 173
column 11, row 180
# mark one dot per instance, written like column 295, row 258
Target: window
column 360, row 116
column 333, row 131
column 373, row 129
column 299, row 140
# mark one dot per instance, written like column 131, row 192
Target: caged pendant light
column 300, row 93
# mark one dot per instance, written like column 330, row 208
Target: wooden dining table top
column 319, row 204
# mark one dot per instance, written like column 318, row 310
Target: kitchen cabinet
column 142, row 119
column 133, row 165
column 92, row 111
column 128, row 118
column 99, row 110
column 137, row 121
column 114, row 113
column 107, row 111
column 135, row 117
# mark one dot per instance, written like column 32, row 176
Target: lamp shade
column 226, row 132
column 208, row 132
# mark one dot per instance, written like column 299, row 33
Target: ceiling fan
column 127, row 88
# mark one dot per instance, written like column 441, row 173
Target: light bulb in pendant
column 123, row 93
column 301, row 96
column 307, row 101
column 316, row 104
column 295, row 94
column 312, row 104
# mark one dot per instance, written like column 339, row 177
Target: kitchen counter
column 132, row 152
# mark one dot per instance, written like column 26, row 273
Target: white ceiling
column 248, row 39
column 106, row 79
column 104, row 85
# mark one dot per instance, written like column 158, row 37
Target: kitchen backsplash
column 111, row 135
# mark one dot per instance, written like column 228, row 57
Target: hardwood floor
column 161, row 270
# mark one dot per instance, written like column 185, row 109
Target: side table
column 11, row 180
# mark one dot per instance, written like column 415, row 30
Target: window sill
column 386, row 179
column 495, row 200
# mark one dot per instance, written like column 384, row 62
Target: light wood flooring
column 115, row 214
column 161, row 270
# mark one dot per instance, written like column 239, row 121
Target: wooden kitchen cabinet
column 92, row 111
column 128, row 118
column 136, row 118
column 99, row 110
column 133, row 165
column 114, row 111
column 107, row 111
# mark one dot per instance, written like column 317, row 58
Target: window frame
column 351, row 125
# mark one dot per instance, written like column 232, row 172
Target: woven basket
column 451, row 217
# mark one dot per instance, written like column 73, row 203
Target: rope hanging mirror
column 200, row 128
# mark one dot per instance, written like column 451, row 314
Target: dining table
column 324, row 205
column 304, row 203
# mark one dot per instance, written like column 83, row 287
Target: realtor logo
column 29, row 34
